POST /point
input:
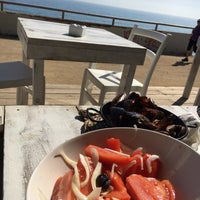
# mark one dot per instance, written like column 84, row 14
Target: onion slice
column 87, row 170
column 133, row 162
column 75, row 178
column 94, row 156
column 96, row 190
column 95, row 174
column 117, row 152
column 79, row 195
column 113, row 169
column 150, row 159
column 69, row 161
column 94, row 194
column 141, row 161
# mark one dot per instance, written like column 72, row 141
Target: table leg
column 192, row 74
column 25, row 60
column 128, row 74
column 38, row 82
column 22, row 95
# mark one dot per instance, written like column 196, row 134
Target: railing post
column 1, row 6
column 113, row 22
column 156, row 27
column 63, row 15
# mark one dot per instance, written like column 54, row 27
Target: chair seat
column 111, row 79
column 15, row 74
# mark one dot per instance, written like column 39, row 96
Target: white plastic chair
column 108, row 81
column 16, row 75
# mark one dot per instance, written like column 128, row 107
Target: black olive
column 103, row 181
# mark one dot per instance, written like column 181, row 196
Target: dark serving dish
column 116, row 115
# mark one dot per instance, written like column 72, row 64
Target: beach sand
column 167, row 73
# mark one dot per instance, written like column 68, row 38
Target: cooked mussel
column 122, row 118
column 135, row 110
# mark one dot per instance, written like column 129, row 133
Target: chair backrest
column 152, row 38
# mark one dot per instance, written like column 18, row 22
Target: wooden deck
column 63, row 83
column 61, row 94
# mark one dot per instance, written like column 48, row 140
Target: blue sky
column 183, row 8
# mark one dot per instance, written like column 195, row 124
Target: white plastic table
column 31, row 132
column 44, row 40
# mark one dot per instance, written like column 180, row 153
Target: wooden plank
column 31, row 132
column 63, row 94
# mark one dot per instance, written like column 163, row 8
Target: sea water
column 79, row 6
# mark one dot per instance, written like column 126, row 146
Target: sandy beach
column 169, row 72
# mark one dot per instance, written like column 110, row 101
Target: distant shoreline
column 101, row 10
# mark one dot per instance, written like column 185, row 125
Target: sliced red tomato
column 144, row 165
column 170, row 189
column 119, row 190
column 82, row 175
column 56, row 188
column 114, row 144
column 137, row 152
column 107, row 156
column 135, row 167
column 141, row 188
column 62, row 188
column 122, row 195
column 151, row 166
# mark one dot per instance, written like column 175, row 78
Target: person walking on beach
column 193, row 41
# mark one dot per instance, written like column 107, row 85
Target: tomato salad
column 110, row 174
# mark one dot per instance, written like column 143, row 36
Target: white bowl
column 181, row 165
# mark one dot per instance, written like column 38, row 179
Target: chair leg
column 143, row 91
column 102, row 97
column 22, row 96
column 197, row 99
column 83, row 97
column 88, row 83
